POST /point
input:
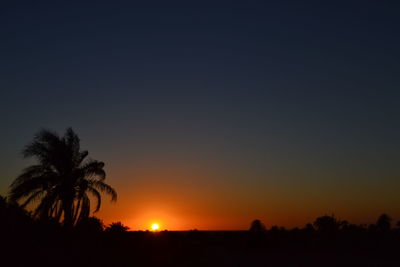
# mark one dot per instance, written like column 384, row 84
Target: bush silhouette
column 13, row 217
column 328, row 224
column 257, row 227
column 116, row 227
column 90, row 225
column 383, row 223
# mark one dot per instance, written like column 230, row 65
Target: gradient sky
column 211, row 114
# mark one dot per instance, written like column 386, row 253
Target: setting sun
column 155, row 227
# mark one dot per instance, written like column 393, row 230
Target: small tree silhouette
column 309, row 228
column 13, row 216
column 328, row 224
column 383, row 224
column 117, row 227
column 257, row 227
column 90, row 225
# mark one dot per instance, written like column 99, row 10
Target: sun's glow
column 155, row 227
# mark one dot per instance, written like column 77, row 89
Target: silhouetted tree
column 309, row 228
column 383, row 223
column 257, row 227
column 90, row 225
column 13, row 217
column 116, row 227
column 61, row 180
column 3, row 203
column 353, row 228
column 327, row 224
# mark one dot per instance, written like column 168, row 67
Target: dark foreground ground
column 197, row 248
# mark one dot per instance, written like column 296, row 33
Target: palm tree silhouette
column 61, row 180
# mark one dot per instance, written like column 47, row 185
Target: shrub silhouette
column 383, row 223
column 90, row 225
column 61, row 180
column 13, row 217
column 328, row 224
column 257, row 227
column 117, row 227
column 309, row 228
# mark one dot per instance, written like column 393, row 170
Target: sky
column 209, row 115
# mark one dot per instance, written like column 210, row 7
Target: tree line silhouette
column 47, row 217
column 16, row 216
column 25, row 237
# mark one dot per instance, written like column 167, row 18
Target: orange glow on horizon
column 182, row 197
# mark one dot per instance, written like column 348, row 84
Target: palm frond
column 82, row 156
column 97, row 196
column 20, row 190
column 35, row 196
column 85, row 208
column 44, row 208
column 29, row 173
column 41, row 144
column 72, row 143
column 103, row 187
column 77, row 208
column 94, row 168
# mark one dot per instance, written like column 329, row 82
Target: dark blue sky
column 296, row 97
